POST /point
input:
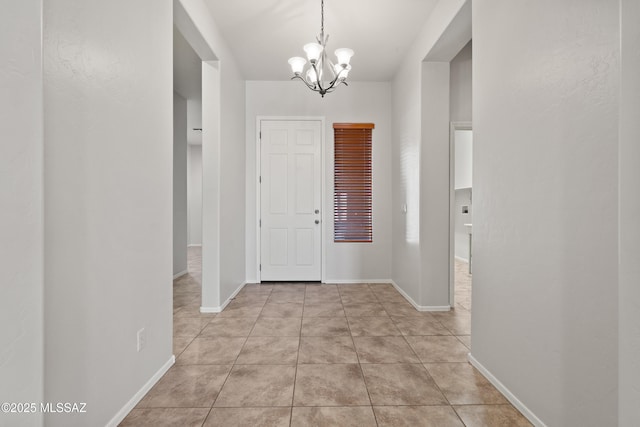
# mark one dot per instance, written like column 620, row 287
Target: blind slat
column 352, row 182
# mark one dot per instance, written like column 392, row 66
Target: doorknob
column 317, row 221
column 317, row 211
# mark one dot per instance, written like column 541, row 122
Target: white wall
column 629, row 298
column 359, row 102
column 223, row 162
column 195, row 194
column 21, row 209
column 180, row 212
column 233, row 176
column 460, row 81
column 418, row 265
column 545, row 118
column 108, row 196
column 435, row 201
column 211, row 187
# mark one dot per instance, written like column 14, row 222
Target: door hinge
column 260, row 136
column 260, row 223
column 260, row 267
column 260, row 179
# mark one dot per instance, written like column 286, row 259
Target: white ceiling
column 264, row 34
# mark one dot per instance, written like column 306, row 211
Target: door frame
column 454, row 126
column 323, row 215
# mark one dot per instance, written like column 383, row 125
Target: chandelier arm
column 318, row 83
column 332, row 86
column 313, row 88
column 331, row 68
column 336, row 78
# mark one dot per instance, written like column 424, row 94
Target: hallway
column 319, row 355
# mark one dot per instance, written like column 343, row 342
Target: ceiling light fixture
column 319, row 63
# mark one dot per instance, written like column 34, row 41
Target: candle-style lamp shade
column 297, row 64
column 313, row 50
column 344, row 55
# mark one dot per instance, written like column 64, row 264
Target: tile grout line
column 233, row 364
column 427, row 371
column 364, row 379
column 350, row 333
column 295, row 374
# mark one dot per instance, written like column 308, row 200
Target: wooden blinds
column 352, row 182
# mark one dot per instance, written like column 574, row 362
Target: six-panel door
column 290, row 199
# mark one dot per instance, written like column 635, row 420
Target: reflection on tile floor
column 321, row 355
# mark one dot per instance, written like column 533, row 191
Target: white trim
column 395, row 285
column 195, row 245
column 258, row 197
column 323, row 201
column 357, row 281
column 506, row 392
column 433, row 308
column 124, row 411
column 323, row 229
column 459, row 258
column 453, row 126
column 416, row 305
column 223, row 305
column 182, row 273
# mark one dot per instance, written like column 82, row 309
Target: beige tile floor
column 321, row 355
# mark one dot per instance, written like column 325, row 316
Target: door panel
column 290, row 198
column 278, row 246
column 304, row 184
column 277, row 199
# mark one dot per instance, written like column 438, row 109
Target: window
column 352, row 182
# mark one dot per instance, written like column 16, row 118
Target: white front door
column 290, row 200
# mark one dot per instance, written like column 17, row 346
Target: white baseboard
column 434, row 308
column 196, row 245
column 416, row 305
column 122, row 413
column 459, row 258
column 226, row 303
column 506, row 392
column 353, row 282
column 182, row 273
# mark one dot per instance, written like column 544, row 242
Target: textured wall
column 108, row 195
column 21, row 209
column 545, row 123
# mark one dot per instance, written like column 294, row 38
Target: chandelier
column 320, row 65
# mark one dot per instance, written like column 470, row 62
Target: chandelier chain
column 322, row 18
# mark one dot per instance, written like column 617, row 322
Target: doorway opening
column 187, row 167
column 191, row 59
column 461, row 218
